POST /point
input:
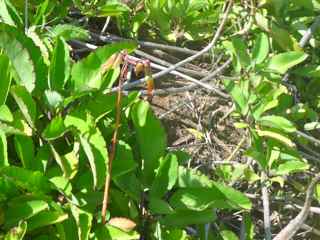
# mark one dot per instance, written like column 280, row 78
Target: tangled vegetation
column 83, row 155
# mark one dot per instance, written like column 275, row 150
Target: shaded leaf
column 166, row 176
column 5, row 76
column 46, row 218
column 59, row 65
column 150, row 137
column 30, row 66
column 25, row 103
column 24, row 210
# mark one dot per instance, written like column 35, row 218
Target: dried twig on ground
column 295, row 224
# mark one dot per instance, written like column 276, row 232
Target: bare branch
column 295, row 224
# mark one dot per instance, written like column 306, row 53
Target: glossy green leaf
column 25, row 103
column 159, row 206
column 109, row 232
column 277, row 136
column 5, row 76
column 62, row 184
column 228, row 235
column 282, row 62
column 69, row 32
column 234, row 197
column 278, row 122
column 261, row 48
column 55, row 129
column 18, row 232
column 46, row 218
column 53, row 99
column 3, row 150
column 5, row 15
column 96, row 151
column 87, row 74
column 84, row 222
column 240, row 50
column 123, row 161
column 166, row 176
column 112, row 9
column 5, row 114
column 22, row 211
column 29, row 66
column 25, row 150
column 184, row 218
column 150, row 137
column 198, row 199
column 283, row 38
column 192, row 178
column 291, row 167
column 59, row 65
column 32, row 181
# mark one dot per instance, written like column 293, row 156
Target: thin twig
column 113, row 38
column 295, row 224
column 152, row 58
column 308, row 137
column 210, row 76
column 266, row 207
column 105, row 25
column 113, row 148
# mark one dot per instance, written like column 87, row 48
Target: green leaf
column 17, row 233
column 25, row 150
column 32, row 181
column 261, row 48
column 59, row 65
column 55, row 129
column 150, row 137
column 277, row 136
column 283, row 38
column 291, row 167
column 46, row 218
column 124, row 161
column 62, row 184
column 240, row 50
column 29, row 66
column 83, row 221
column 192, row 178
column 112, row 9
column 22, row 211
column 308, row 71
column 5, row 14
column 5, row 76
column 109, row 232
column 282, row 62
column 159, row 206
column 68, row 162
column 228, row 235
column 69, row 32
column 166, row 176
column 3, row 150
column 87, row 74
column 5, row 114
column 184, row 218
column 96, row 151
column 198, row 199
column 53, row 99
column 238, row 93
column 25, row 103
column 278, row 122
column 311, row 126
column 234, row 197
